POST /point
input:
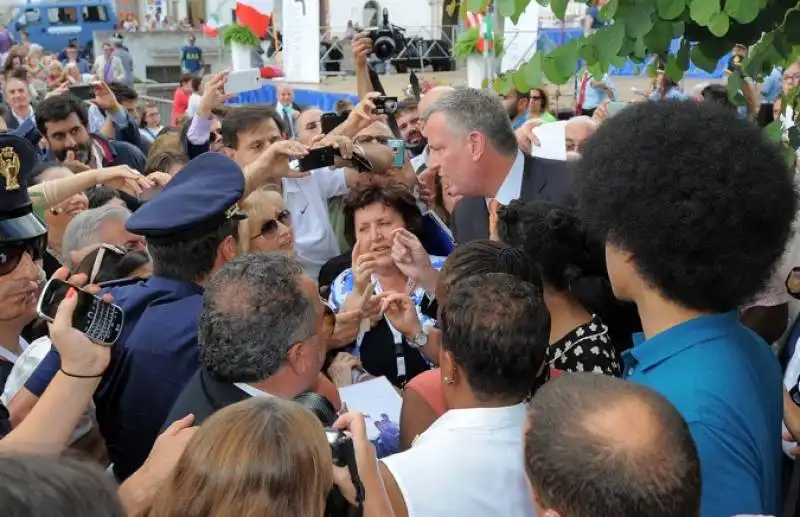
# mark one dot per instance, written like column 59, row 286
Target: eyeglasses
column 270, row 227
column 98, row 259
column 328, row 318
column 367, row 139
column 11, row 252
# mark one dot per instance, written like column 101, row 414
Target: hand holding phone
column 84, row 92
column 79, row 356
column 398, row 152
column 315, row 159
column 240, row 81
column 90, row 315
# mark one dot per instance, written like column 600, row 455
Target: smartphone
column 242, row 81
column 615, row 107
column 331, row 121
column 385, row 105
column 84, row 92
column 99, row 320
column 315, row 159
column 399, row 151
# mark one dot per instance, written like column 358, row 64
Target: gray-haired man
column 91, row 228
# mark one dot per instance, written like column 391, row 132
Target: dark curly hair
column 699, row 197
column 486, row 256
column 58, row 108
column 497, row 328
column 553, row 238
column 392, row 194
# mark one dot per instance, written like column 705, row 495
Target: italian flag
column 255, row 14
column 211, row 27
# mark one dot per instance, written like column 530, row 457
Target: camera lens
column 384, row 46
column 391, row 106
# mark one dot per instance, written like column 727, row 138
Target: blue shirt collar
column 647, row 353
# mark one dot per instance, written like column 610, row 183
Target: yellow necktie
column 494, row 205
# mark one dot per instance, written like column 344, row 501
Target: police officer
column 191, row 229
column 23, row 240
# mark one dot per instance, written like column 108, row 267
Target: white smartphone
column 242, row 81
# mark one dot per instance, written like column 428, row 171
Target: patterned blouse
column 586, row 348
column 343, row 286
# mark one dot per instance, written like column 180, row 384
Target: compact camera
column 385, row 105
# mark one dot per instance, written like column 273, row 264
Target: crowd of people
column 586, row 337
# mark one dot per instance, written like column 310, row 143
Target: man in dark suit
column 473, row 146
column 260, row 335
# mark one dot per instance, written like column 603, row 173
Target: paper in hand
column 552, row 141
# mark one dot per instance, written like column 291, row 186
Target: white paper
column 520, row 38
column 552, row 138
column 301, row 41
column 376, row 399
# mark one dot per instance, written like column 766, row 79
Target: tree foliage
column 638, row 29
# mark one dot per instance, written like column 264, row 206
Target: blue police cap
column 17, row 160
column 199, row 199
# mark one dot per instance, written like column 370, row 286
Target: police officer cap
column 17, row 220
column 198, row 200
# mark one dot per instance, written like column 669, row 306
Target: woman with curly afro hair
column 695, row 207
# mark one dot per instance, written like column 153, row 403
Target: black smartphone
column 385, row 105
column 84, row 92
column 99, row 320
column 316, row 159
column 331, row 121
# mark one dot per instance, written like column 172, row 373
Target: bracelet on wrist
column 77, row 376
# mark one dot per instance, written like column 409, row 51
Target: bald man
column 287, row 109
column 597, row 446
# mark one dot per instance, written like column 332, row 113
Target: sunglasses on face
column 215, row 136
column 366, row 139
column 270, row 227
column 536, row 98
column 11, row 252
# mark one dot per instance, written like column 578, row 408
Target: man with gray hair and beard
column 260, row 335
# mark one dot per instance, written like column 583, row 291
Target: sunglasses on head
column 270, row 227
column 102, row 253
column 328, row 318
column 11, row 252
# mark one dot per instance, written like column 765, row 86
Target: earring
column 450, row 380
column 55, row 211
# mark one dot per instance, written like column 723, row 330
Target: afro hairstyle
column 696, row 194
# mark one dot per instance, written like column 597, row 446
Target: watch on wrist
column 420, row 340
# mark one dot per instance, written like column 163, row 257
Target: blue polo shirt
column 150, row 364
column 726, row 383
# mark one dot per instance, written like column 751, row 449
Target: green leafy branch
column 467, row 44
column 240, row 34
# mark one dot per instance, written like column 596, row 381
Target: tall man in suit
column 472, row 143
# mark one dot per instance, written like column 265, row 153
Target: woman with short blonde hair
column 262, row 457
column 268, row 227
